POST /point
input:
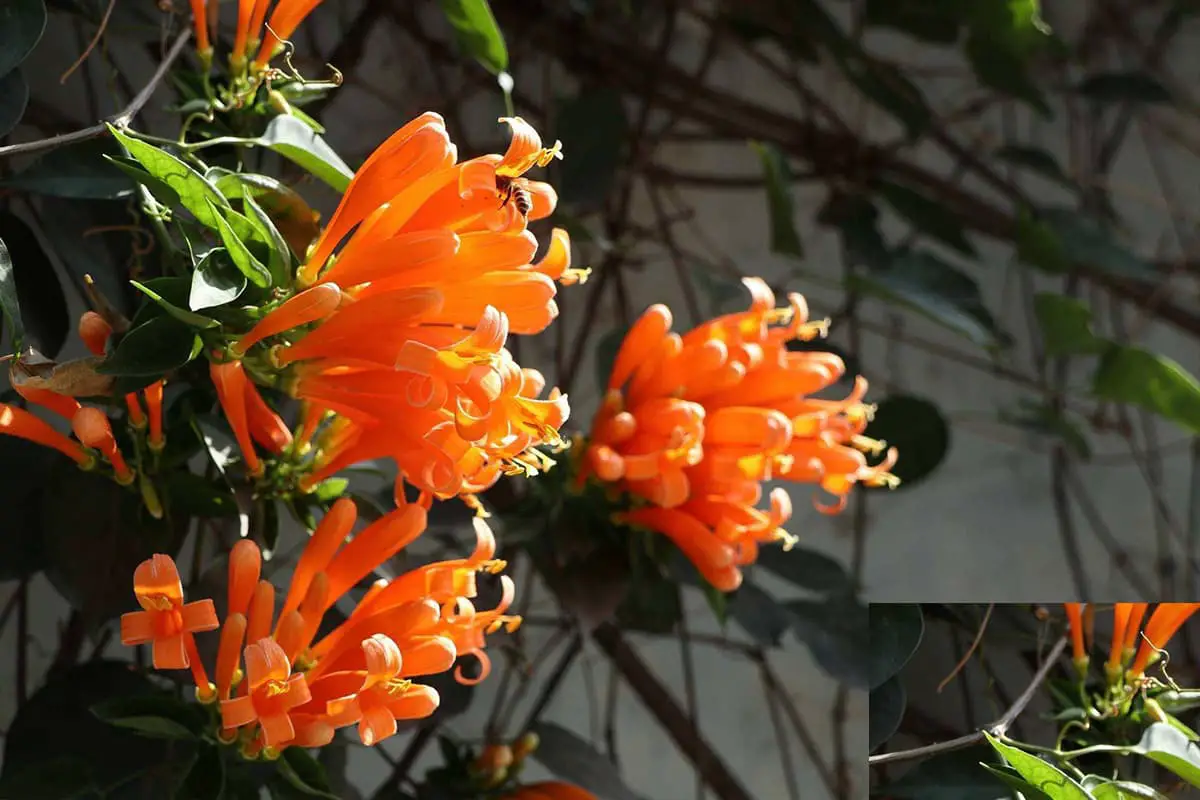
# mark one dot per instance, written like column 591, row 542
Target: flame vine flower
column 692, row 425
column 276, row 683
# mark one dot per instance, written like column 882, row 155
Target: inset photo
column 1062, row 701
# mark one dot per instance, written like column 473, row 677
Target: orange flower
column 1075, row 628
column 92, row 428
column 550, row 790
column 249, row 416
column 1164, row 622
column 407, row 356
column 286, row 17
column 1121, row 612
column 94, row 330
column 20, row 423
column 1133, row 626
column 273, row 691
column 200, row 20
column 154, row 401
column 166, row 620
column 692, row 425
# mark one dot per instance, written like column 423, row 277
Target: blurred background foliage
column 841, row 129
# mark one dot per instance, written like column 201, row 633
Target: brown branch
column 658, row 701
column 118, row 120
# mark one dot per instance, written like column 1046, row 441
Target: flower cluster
column 1133, row 648
column 692, row 426
column 94, row 438
column 249, row 41
column 274, row 685
column 396, row 343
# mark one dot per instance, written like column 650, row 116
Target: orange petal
column 245, row 564
column 237, row 712
column 266, row 660
column 137, row 627
column 326, row 539
column 199, row 615
column 373, row 546
column 156, row 580
column 310, row 305
column 262, row 610
column 229, row 652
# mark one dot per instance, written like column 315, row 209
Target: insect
column 515, row 192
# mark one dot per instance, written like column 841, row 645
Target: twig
column 552, row 683
column 87, row 51
column 997, row 728
column 970, row 650
column 662, row 705
column 118, row 120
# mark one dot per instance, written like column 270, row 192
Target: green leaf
column 295, row 141
column 187, row 317
column 9, row 302
column 78, row 171
column 938, row 290
column 1004, row 35
column 14, row 96
column 780, row 208
column 927, row 216
column 152, row 349
column 216, row 281
column 888, row 88
column 759, row 614
column 1104, row 789
column 21, row 25
column 952, row 776
column 1039, row 245
column 1103, row 88
column 331, row 489
column 896, row 630
column 24, row 469
column 239, row 252
column 593, row 124
column 43, row 304
column 807, row 568
column 158, row 188
column 303, row 773
column 837, row 632
column 915, row 427
column 1046, row 422
column 1156, row 383
column 1087, row 241
column 573, row 759
column 857, row 220
column 1040, row 774
column 999, row 67
column 278, row 253
column 1013, row 780
column 196, row 194
column 196, row 496
column 1171, row 749
column 885, row 709
column 206, row 779
column 1066, row 325
column 1036, row 160
column 158, row 716
column 477, row 34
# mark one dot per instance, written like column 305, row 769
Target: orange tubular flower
column 550, row 790
column 200, row 20
column 20, row 423
column 94, row 330
column 92, row 428
column 1133, row 626
column 286, row 17
column 63, row 406
column 154, row 401
column 1164, row 622
column 408, row 351
column 249, row 416
column 692, row 425
column 1075, row 628
column 166, row 621
column 362, row 671
column 1121, row 613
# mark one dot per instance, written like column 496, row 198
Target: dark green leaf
column 278, row 253
column 24, row 468
column 915, row 427
column 999, row 68
column 887, row 87
column 896, row 630
column 885, row 709
column 759, row 614
column 193, row 495
column 807, row 568
column 1154, row 382
column 206, row 779
column 937, row 289
column 43, row 304
column 1035, row 159
column 1045, row 421
column 152, row 349
column 21, row 25
column 10, row 304
column 857, row 219
column 476, row 31
column 569, row 757
column 1004, row 36
column 1123, row 87
column 196, row 194
column 1040, row 774
column 216, row 281
column 928, row 216
column 95, row 756
column 1066, row 325
column 837, row 632
column 156, row 716
column 952, row 776
column 294, row 140
column 89, row 239
column 14, row 96
column 651, row 604
column 239, row 252
column 183, row 315
column 264, row 524
column 1086, row 241
column 935, row 21
column 1039, row 245
column 303, row 773
column 1013, row 780
column 780, row 209
column 78, row 171
column 594, row 125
